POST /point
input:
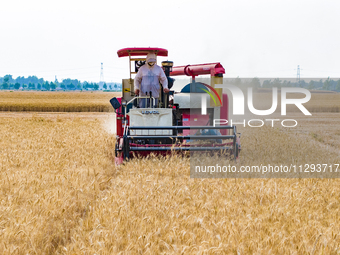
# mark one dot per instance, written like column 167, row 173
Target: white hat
column 151, row 57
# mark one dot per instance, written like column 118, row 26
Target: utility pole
column 298, row 76
column 101, row 82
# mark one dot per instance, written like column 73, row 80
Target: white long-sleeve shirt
column 148, row 78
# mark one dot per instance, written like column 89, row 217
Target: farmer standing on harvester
column 147, row 80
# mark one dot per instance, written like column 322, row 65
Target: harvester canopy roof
column 141, row 52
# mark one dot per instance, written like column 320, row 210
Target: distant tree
column 53, row 85
column 95, row 86
column 6, row 81
column 115, row 86
column 20, row 80
column 33, row 79
column 62, row 85
column 285, row 84
column 8, row 78
column 85, row 83
column 17, row 85
column 303, row 84
column 276, row 83
column 31, row 86
column 105, row 86
column 255, row 83
column 319, row 84
column 46, row 85
column 70, row 86
column 327, row 84
column 110, row 87
column 338, row 86
column 5, row 85
column 90, row 85
column 266, row 84
column 289, row 84
column 39, row 86
column 311, row 85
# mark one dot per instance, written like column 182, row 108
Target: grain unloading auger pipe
column 214, row 69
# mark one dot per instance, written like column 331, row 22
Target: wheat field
column 52, row 101
column 61, row 193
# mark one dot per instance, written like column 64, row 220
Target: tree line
column 34, row 83
column 320, row 84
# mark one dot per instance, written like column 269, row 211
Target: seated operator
column 148, row 78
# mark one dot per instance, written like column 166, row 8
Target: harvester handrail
column 137, row 97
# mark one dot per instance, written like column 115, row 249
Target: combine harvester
column 177, row 122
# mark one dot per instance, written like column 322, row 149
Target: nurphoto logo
column 239, row 104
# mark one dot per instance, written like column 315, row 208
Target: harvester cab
column 178, row 118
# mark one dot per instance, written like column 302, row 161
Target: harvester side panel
column 128, row 89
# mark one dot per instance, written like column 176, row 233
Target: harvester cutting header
column 153, row 118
